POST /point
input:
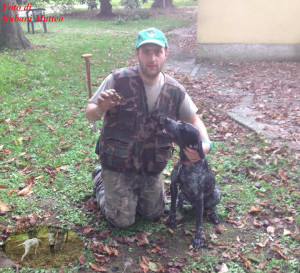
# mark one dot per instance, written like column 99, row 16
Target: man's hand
column 191, row 154
column 107, row 100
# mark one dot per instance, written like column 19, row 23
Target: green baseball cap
column 151, row 36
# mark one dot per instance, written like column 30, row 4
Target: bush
column 131, row 4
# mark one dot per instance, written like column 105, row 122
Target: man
column 132, row 154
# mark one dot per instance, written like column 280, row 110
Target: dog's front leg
column 198, row 241
column 171, row 222
column 25, row 253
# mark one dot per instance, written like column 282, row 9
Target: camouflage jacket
column 130, row 139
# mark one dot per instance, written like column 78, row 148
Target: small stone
column 22, row 186
column 2, row 213
column 265, row 223
column 219, row 229
column 258, row 185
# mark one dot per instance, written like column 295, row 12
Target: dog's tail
column 21, row 244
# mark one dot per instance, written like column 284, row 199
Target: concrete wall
column 243, row 29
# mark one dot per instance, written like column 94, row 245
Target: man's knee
column 118, row 220
column 151, row 211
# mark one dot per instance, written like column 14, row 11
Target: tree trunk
column 11, row 33
column 162, row 4
column 105, row 8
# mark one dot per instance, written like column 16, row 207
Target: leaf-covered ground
column 47, row 147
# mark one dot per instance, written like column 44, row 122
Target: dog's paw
column 198, row 243
column 214, row 218
column 52, row 249
column 171, row 222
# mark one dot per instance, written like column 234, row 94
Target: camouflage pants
column 126, row 194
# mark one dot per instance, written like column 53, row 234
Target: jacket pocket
column 115, row 154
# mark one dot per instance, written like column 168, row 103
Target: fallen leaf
column 142, row 239
column 4, row 207
column 254, row 209
column 263, row 242
column 107, row 250
column 81, row 259
column 261, row 194
column 257, row 250
column 256, row 156
column 161, row 241
column 98, row 267
column 39, row 177
column 143, row 242
column 155, row 250
column 278, row 250
column 86, row 159
column 257, row 223
column 213, row 236
column 98, row 246
column 99, row 258
column 289, row 219
column 51, row 128
column 103, row 234
column 153, row 267
column 69, row 121
column 224, row 268
column 26, row 190
column 271, row 230
column 286, row 232
column 171, row 230
column 33, row 218
column 237, row 224
column 188, row 232
column 129, row 240
column 115, row 252
column 262, row 265
column 247, row 262
column 144, row 264
column 282, row 175
column 87, row 230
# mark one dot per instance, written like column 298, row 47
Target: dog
column 28, row 244
column 196, row 180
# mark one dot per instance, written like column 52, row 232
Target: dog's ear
column 200, row 149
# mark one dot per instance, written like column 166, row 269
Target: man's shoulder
column 126, row 72
column 173, row 82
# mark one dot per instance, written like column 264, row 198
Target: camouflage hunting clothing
column 128, row 193
column 130, row 139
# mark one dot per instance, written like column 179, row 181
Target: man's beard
column 150, row 74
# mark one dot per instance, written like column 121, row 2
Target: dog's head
column 183, row 134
